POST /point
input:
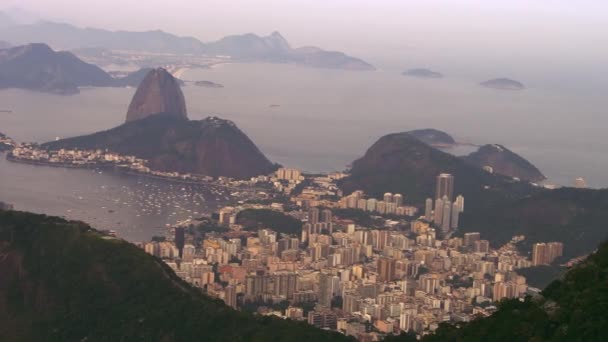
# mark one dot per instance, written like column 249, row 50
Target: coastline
column 127, row 171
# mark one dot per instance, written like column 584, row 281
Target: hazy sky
column 505, row 33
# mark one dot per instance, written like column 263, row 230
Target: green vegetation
column 62, row 281
column 254, row 219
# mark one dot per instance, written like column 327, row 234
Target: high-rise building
column 230, row 296
column 227, row 215
column 381, row 207
column 438, row 212
column 388, row 197
column 256, row 285
column 285, row 284
column 470, row 238
column 428, row 209
column 447, row 215
column 460, row 202
column 288, row 174
column 326, row 215
column 371, row 204
column 313, row 216
column 481, row 246
column 180, row 240
column 350, row 302
column 386, row 269
column 328, row 285
column 323, row 320
column 445, row 186
column 398, row 200
column 580, row 183
column 455, row 215
column 545, row 253
column 362, row 204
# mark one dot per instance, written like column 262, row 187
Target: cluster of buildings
column 6, row 142
column 444, row 211
column 76, row 158
column 345, row 277
column 389, row 205
column 286, row 179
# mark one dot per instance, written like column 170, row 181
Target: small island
column 503, row 84
column 422, row 73
column 208, row 84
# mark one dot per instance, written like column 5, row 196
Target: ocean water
column 321, row 120
column 136, row 207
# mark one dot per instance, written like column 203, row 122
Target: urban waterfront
column 136, row 207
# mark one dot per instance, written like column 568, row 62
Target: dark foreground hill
column 574, row 308
column 62, row 281
column 212, row 146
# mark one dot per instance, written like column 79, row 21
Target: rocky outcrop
column 503, row 161
column 159, row 92
column 158, row 130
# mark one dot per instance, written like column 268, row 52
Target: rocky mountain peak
column 159, row 92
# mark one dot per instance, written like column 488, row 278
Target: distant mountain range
column 157, row 129
column 247, row 47
column 37, row 67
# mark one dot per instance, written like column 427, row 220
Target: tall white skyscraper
column 438, row 212
column 398, row 200
column 445, row 186
column 447, row 215
column 428, row 209
column 388, row 197
column 455, row 215
column 460, row 202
